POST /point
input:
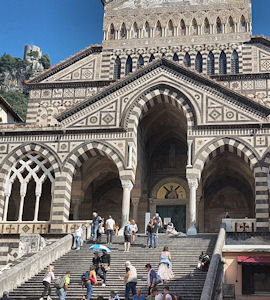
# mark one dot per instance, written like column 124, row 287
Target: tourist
column 95, row 223
column 153, row 241
column 110, row 227
column 138, row 295
column 101, row 229
column 86, row 282
column 5, row 296
column 155, row 295
column 227, row 216
column 165, row 265
column 168, row 295
column 149, row 232
column 113, row 296
column 62, row 291
column 49, row 276
column 78, row 237
column 134, row 230
column 96, row 262
column 153, row 278
column 171, row 230
column 127, row 237
column 159, row 222
column 130, row 280
column 204, row 262
column 105, row 260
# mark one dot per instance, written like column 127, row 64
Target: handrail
column 209, row 285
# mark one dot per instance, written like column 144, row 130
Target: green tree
column 18, row 101
column 45, row 61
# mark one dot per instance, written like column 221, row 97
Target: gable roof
column 64, row 64
column 259, row 39
column 163, row 62
column 10, row 110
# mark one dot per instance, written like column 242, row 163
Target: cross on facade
column 260, row 140
column 244, row 226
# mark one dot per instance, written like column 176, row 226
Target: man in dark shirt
column 154, row 234
column 105, row 265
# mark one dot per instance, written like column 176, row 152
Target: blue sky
column 64, row 27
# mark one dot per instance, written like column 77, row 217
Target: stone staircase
column 188, row 281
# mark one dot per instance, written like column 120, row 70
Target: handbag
column 105, row 266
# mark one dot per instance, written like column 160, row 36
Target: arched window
column 135, row 31
column 243, row 24
column 170, row 28
column 219, row 26
column 206, row 26
column 117, row 68
column 158, row 30
column 231, row 25
column 210, row 64
column 187, row 60
column 175, row 57
column 223, row 63
column 128, row 65
column 112, row 32
column 235, row 63
column 199, row 63
column 140, row 62
column 183, row 27
column 123, row 31
column 194, row 27
column 152, row 57
column 147, row 30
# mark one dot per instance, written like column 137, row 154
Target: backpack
column 126, row 230
column 60, row 282
column 85, row 276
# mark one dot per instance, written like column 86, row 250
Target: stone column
column 130, row 152
column 22, row 193
column 135, row 203
column 7, row 196
column 127, row 187
column 38, row 194
column 193, row 185
column 189, row 160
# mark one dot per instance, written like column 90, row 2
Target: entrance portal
column 177, row 213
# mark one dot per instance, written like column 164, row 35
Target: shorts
column 133, row 233
column 127, row 238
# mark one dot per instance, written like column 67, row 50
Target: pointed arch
column 170, row 28
column 117, row 68
column 175, row 57
column 219, row 26
column 194, row 27
column 152, row 57
column 222, row 63
column 199, row 63
column 231, row 25
column 135, row 31
column 147, row 31
column 235, row 63
column 123, row 31
column 210, row 63
column 158, row 32
column 206, row 26
column 112, row 32
column 140, row 62
column 183, row 28
column 243, row 24
column 187, row 60
column 128, row 65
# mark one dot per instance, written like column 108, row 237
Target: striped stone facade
column 80, row 117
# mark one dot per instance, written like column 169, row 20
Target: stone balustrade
column 240, row 225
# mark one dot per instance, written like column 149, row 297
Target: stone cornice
column 71, row 84
column 231, row 77
column 259, row 40
column 176, row 67
column 62, row 65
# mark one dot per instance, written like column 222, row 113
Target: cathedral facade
column 170, row 114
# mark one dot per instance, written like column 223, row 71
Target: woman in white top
column 133, row 228
column 49, row 276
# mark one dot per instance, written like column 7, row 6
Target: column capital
column 189, row 142
column 193, row 183
column 127, row 184
column 135, row 201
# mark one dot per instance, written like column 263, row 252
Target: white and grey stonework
column 178, row 93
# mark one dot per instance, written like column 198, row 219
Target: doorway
column 177, row 213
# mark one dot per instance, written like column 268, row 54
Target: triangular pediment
column 213, row 103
